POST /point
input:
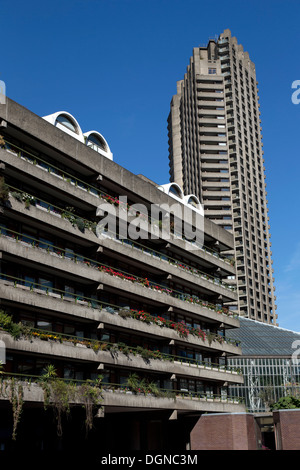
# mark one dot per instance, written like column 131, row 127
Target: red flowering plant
column 200, row 333
column 181, row 328
column 146, row 283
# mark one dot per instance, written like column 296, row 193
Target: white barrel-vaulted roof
column 68, row 124
column 175, row 191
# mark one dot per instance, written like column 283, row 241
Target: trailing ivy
column 62, row 395
column 12, row 389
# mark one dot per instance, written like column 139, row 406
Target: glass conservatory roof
column 261, row 339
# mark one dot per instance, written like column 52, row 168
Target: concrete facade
column 216, row 152
column 91, row 304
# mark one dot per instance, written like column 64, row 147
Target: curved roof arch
column 193, row 200
column 67, row 123
column 172, row 189
column 97, row 142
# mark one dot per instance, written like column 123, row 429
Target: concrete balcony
column 17, row 165
column 209, row 86
column 209, row 94
column 215, row 174
column 214, row 148
column 181, row 404
column 24, row 253
column 55, row 224
column 215, row 184
column 119, row 399
column 13, row 292
column 208, row 78
column 214, row 203
column 138, row 326
column 177, row 368
column 102, row 358
column 213, row 129
column 217, row 212
column 214, row 166
column 211, row 121
column 217, row 194
column 204, row 104
column 212, row 139
column 154, row 297
column 14, row 251
column 211, row 114
column 102, row 316
column 151, row 258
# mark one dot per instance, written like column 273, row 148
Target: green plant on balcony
column 4, row 191
column 7, row 324
column 24, row 197
column 210, row 337
column 17, row 195
column 124, row 348
column 68, row 213
column 146, row 354
column 12, row 389
column 28, row 200
column 124, row 313
column 79, row 222
column 90, row 394
column 137, row 385
column 60, row 395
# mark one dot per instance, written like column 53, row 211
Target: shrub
column 7, row 324
column 288, row 402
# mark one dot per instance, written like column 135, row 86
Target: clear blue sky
column 114, row 64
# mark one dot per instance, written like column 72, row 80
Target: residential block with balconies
column 136, row 328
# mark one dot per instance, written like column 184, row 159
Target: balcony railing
column 159, row 288
column 163, row 256
column 114, row 348
column 181, row 328
column 28, row 380
column 77, row 258
column 44, row 165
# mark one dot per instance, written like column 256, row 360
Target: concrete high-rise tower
column 215, row 152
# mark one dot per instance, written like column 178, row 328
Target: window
column 95, row 142
column 176, row 191
column 193, row 202
column 44, row 325
column 67, row 122
column 45, row 284
column 212, row 71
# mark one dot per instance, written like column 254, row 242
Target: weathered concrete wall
column 81, row 352
column 77, row 152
